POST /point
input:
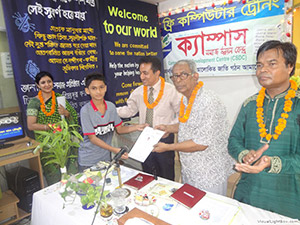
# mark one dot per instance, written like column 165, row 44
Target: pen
column 188, row 194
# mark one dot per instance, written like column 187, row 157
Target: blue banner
column 129, row 30
column 58, row 36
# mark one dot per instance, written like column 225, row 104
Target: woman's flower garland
column 160, row 94
column 281, row 121
column 43, row 106
column 183, row 117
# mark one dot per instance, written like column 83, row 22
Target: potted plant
column 58, row 144
column 89, row 193
column 106, row 210
column 91, row 197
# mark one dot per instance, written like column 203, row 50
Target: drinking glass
column 119, row 200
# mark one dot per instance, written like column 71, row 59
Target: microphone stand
column 102, row 190
column 120, row 179
column 114, row 160
column 119, row 174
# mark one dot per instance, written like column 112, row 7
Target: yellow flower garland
column 160, row 94
column 43, row 107
column 183, row 117
column 281, row 121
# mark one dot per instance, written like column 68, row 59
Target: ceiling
column 154, row 2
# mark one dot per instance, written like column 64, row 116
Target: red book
column 140, row 180
column 188, row 195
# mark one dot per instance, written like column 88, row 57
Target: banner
column 222, row 40
column 58, row 36
column 129, row 31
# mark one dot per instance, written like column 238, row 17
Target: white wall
column 233, row 90
column 2, row 23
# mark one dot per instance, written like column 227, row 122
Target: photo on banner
column 60, row 37
column 222, row 40
column 130, row 30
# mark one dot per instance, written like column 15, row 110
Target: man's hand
column 161, row 147
column 140, row 127
column 253, row 155
column 164, row 128
column 125, row 156
column 161, row 127
column 259, row 166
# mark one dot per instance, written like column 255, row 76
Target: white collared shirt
column 165, row 112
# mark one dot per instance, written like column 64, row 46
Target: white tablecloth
column 50, row 209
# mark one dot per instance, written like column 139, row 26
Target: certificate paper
column 144, row 144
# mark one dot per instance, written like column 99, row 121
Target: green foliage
column 57, row 143
column 89, row 194
column 92, row 196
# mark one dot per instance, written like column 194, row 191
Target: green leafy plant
column 57, row 143
column 92, row 196
column 89, row 193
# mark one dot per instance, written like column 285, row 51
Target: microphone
column 119, row 154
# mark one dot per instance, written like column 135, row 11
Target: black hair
column 42, row 74
column 94, row 76
column 155, row 62
column 289, row 51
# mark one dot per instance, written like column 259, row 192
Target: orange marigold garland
column 183, row 117
column 281, row 121
column 160, row 94
column 43, row 106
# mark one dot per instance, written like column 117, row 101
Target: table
column 50, row 209
column 22, row 150
column 18, row 152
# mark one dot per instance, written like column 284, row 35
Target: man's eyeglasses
column 182, row 76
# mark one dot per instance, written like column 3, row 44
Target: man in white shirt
column 203, row 131
column 157, row 102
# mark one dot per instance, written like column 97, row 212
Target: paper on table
column 144, row 144
column 221, row 212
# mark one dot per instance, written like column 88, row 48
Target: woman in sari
column 42, row 110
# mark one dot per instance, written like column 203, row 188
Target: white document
column 144, row 144
column 61, row 100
